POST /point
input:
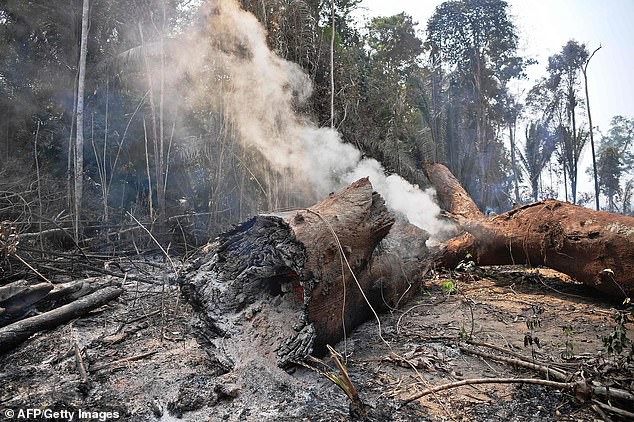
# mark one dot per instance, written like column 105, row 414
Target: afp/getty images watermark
column 58, row 415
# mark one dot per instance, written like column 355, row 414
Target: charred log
column 22, row 298
column 292, row 283
column 19, row 331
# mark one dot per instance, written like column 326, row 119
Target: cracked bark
column 594, row 247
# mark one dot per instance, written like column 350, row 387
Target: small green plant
column 448, row 287
column 568, row 353
column 617, row 343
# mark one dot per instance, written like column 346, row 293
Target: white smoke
column 262, row 91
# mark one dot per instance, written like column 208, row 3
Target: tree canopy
column 159, row 137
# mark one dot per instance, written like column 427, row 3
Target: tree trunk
column 594, row 156
column 332, row 64
column 281, row 286
column 594, row 247
column 319, row 266
column 79, row 144
column 516, row 187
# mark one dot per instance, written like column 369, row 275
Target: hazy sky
column 545, row 26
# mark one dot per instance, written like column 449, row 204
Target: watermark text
column 26, row 413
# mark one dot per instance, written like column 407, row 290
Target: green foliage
column 564, row 70
column 617, row 343
column 464, row 335
column 393, row 41
column 533, row 323
column 615, row 164
column 621, row 136
column 448, row 287
column 396, row 105
column 473, row 46
column 465, row 32
column 609, row 171
column 538, row 149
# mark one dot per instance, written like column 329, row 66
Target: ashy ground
column 146, row 360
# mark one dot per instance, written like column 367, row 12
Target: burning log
column 291, row 283
column 594, row 247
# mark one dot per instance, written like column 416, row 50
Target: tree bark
column 79, row 144
column 594, row 247
column 307, row 274
column 281, row 286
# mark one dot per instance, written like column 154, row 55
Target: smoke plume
column 260, row 96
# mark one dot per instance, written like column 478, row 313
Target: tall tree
column 473, row 45
column 539, row 147
column 584, row 69
column 616, row 163
column 609, row 172
column 621, row 136
column 571, row 146
column 79, row 144
column 392, row 66
column 332, row 64
column 564, row 69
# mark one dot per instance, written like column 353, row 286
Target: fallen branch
column 475, row 381
column 615, row 410
column 80, row 364
column 19, row 258
column 549, row 372
column 169, row 258
column 612, row 393
column 19, row 331
column 17, row 299
column 583, row 390
column 124, row 276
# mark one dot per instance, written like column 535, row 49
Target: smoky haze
column 260, row 94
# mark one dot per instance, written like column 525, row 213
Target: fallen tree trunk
column 291, row 283
column 594, row 247
column 19, row 331
column 283, row 286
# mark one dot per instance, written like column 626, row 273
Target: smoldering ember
column 279, row 210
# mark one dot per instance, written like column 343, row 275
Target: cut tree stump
column 594, row 247
column 286, row 282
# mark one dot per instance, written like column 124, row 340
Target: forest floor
column 145, row 364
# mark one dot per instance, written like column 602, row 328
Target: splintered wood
column 304, row 276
